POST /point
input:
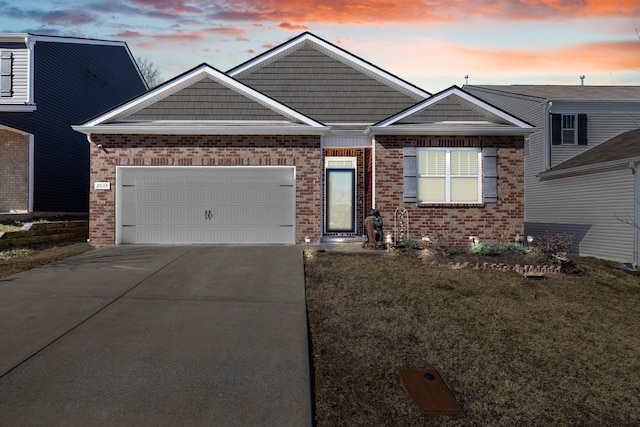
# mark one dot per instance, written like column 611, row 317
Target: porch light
column 529, row 239
column 387, row 239
column 473, row 239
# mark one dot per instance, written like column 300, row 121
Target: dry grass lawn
column 565, row 351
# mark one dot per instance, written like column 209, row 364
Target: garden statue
column 373, row 230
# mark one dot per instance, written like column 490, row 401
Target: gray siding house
column 580, row 168
column 46, row 85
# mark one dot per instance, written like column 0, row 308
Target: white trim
column 336, row 53
column 190, row 129
column 447, row 176
column 14, row 130
column 448, row 130
column 10, row 108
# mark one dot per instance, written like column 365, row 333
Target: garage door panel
column 207, row 205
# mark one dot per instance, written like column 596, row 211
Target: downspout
column 636, row 212
column 30, row 43
column 547, row 131
column 373, row 172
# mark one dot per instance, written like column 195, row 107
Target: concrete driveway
column 157, row 335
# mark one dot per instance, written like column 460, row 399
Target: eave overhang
column 613, row 165
column 449, row 130
column 18, row 108
column 174, row 129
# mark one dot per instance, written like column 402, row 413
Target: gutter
column 203, row 130
column 588, row 169
column 447, row 130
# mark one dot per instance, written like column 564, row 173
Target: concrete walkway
column 157, row 336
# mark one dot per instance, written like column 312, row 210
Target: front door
column 340, row 200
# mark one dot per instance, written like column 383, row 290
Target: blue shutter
column 490, row 174
column 6, row 58
column 410, row 175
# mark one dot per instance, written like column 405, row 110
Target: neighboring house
column 301, row 141
column 46, row 85
column 580, row 167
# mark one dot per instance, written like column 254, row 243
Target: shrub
column 513, row 248
column 483, row 248
column 551, row 244
column 443, row 242
column 411, row 243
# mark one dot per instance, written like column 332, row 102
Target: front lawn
column 565, row 351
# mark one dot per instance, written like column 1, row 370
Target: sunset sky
column 432, row 43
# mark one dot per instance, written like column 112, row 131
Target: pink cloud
column 382, row 11
column 292, row 27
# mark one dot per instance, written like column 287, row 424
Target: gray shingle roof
column 621, row 147
column 568, row 92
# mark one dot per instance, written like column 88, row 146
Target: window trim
column 574, row 118
column 448, row 176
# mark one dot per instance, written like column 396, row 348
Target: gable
column 452, row 108
column 205, row 100
column 327, row 83
column 455, row 112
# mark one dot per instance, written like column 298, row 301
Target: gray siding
column 601, row 126
column 588, row 206
column 206, row 100
column 326, row 89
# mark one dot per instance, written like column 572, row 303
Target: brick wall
column 14, row 172
column 303, row 152
column 490, row 221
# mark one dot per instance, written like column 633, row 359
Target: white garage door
column 205, row 204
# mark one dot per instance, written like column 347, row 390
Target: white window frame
column 448, row 175
column 574, row 119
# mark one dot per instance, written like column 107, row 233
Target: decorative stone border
column 525, row 270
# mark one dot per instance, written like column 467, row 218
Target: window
column 569, row 129
column 449, row 175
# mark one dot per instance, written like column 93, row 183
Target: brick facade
column 303, row 152
column 488, row 221
column 14, row 172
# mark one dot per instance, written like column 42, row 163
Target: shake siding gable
column 326, row 89
column 206, row 100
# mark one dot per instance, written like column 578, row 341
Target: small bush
column 483, row 248
column 411, row 244
column 513, row 248
column 551, row 244
column 443, row 242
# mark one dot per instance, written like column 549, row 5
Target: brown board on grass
column 427, row 390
